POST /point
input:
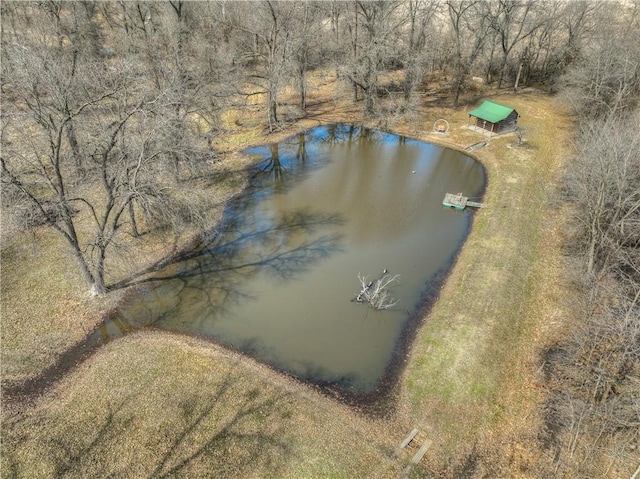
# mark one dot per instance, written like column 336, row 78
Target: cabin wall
column 487, row 125
column 508, row 124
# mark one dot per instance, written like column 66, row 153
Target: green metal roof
column 490, row 111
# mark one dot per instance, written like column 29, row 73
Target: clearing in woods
column 155, row 404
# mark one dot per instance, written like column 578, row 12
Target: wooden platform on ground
column 459, row 202
column 415, row 445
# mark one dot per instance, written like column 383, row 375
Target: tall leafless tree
column 605, row 181
column 421, row 19
column 375, row 31
column 85, row 181
column 513, row 21
column 470, row 24
column 266, row 30
column 606, row 80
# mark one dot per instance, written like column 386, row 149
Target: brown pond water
column 278, row 281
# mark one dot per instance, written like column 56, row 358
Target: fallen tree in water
column 376, row 293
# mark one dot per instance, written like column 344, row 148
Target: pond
column 278, row 281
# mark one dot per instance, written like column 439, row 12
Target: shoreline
column 452, row 380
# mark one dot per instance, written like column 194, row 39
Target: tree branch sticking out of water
column 376, row 293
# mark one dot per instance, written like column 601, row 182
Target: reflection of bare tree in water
column 274, row 165
column 339, row 133
column 216, row 275
column 213, row 276
column 301, row 153
column 280, row 166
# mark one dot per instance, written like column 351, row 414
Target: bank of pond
column 277, row 279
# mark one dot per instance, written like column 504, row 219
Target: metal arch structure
column 439, row 128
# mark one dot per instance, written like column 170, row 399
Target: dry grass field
column 155, row 404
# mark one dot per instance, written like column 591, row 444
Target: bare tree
column 421, row 17
column 558, row 42
column 119, row 132
column 513, row 21
column 306, row 33
column 605, row 181
column 335, row 11
column 374, row 35
column 377, row 293
column 606, row 81
column 470, row 23
column 266, row 32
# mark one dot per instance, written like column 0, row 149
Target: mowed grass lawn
column 473, row 379
column 155, row 404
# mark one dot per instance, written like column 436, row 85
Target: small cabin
column 494, row 117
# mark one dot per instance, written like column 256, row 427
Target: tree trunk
column 487, row 78
column 302, row 83
column 412, row 80
column 408, row 83
column 371, row 87
column 503, row 71
column 515, row 86
column 98, row 288
column 458, row 81
column 73, row 143
column 369, row 104
column 134, row 224
column 96, row 285
column 355, row 49
column 456, row 92
column 273, row 108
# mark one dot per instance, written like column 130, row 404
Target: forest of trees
column 110, row 108
column 594, row 375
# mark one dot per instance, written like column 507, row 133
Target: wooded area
column 110, row 112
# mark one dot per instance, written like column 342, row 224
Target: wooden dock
column 459, row 202
column 475, row 146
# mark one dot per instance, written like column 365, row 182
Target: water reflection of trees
column 287, row 160
column 301, row 153
column 273, row 166
column 205, row 285
column 284, row 163
column 341, row 133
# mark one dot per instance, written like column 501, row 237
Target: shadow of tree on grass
column 229, row 431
